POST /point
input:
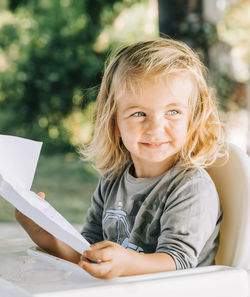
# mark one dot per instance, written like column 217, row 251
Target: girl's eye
column 139, row 114
column 172, row 112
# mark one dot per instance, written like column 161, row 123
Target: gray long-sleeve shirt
column 177, row 213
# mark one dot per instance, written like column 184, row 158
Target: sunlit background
column 52, row 55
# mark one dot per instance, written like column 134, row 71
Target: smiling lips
column 154, row 145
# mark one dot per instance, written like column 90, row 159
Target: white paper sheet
column 18, row 160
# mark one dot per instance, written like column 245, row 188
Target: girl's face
column 153, row 123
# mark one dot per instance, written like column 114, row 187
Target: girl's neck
column 149, row 170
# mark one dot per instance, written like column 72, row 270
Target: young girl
column 155, row 207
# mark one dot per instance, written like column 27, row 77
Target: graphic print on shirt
column 115, row 219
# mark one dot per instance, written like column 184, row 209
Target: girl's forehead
column 153, row 94
column 175, row 85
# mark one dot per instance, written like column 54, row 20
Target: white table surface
column 45, row 278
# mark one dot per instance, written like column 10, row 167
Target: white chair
column 233, row 185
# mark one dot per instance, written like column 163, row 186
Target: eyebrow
column 166, row 106
column 177, row 104
column 132, row 107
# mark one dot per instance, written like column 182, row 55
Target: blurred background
column 52, row 55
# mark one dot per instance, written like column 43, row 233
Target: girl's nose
column 156, row 125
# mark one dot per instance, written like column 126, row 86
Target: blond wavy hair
column 125, row 70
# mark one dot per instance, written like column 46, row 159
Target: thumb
column 41, row 195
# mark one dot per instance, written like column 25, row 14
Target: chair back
column 233, row 185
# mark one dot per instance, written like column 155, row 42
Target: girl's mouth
column 154, row 144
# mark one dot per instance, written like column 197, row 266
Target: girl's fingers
column 104, row 254
column 96, row 255
column 100, row 270
column 82, row 258
column 102, row 244
column 41, row 195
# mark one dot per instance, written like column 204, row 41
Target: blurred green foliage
column 48, row 59
column 234, row 29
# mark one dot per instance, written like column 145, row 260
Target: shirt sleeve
column 92, row 228
column 188, row 221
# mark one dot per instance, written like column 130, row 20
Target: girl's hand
column 113, row 259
